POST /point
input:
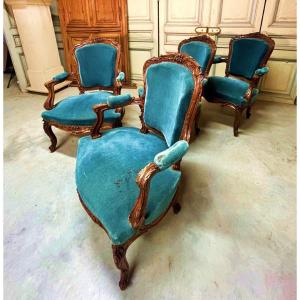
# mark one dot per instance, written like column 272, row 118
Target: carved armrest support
column 250, row 93
column 118, row 83
column 162, row 161
column 112, row 102
column 220, row 59
column 49, row 103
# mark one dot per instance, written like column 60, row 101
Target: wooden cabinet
column 85, row 19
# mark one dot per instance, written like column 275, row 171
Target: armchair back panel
column 170, row 87
column 96, row 64
column 200, row 51
column 248, row 53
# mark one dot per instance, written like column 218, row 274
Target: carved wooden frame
column 75, row 78
column 143, row 179
column 253, row 82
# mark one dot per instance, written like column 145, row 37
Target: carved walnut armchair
column 245, row 65
column 98, row 62
column 127, row 178
column 202, row 48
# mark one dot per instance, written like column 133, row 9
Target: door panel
column 75, row 12
column 280, row 18
column 107, row 13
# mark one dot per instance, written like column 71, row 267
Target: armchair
column 203, row 49
column 97, row 62
column 245, row 65
column 127, row 179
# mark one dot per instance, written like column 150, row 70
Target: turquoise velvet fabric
column 96, row 64
column 140, row 91
column 60, row 76
column 106, row 170
column 247, row 55
column 262, row 71
column 169, row 91
column 227, row 89
column 121, row 100
column 219, row 59
column 200, row 51
column 78, row 110
column 170, row 156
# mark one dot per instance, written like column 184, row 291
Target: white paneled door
column 143, row 34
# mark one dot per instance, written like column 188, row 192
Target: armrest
column 162, row 161
column 141, row 91
column 111, row 102
column 220, row 59
column 118, row 83
column 61, row 77
column 121, row 76
column 262, row 71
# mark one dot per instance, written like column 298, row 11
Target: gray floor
column 235, row 237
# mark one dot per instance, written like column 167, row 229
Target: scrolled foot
column 51, row 135
column 119, row 255
column 176, row 208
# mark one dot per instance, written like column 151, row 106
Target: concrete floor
column 235, row 237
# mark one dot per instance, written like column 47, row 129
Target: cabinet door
column 237, row 17
column 106, row 13
column 178, row 20
column 143, row 35
column 75, row 13
column 280, row 18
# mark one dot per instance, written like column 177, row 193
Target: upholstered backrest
column 169, row 91
column 96, row 64
column 200, row 51
column 247, row 54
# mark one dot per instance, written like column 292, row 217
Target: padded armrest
column 170, row 156
column 219, row 59
column 140, row 91
column 121, row 76
column 117, row 101
column 60, row 76
column 262, row 71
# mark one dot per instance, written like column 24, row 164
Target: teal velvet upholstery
column 140, row 91
column 121, row 76
column 106, row 170
column 247, row 54
column 169, row 91
column 200, row 51
column 226, row 89
column 121, row 100
column 168, row 157
column 78, row 110
column 96, row 64
column 61, row 76
column 262, row 71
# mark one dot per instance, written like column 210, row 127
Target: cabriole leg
column 119, row 255
column 49, row 132
column 237, row 121
column 248, row 112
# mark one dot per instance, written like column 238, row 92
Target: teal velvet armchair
column 245, row 65
column 98, row 62
column 127, row 178
column 201, row 48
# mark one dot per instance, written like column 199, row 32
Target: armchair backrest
column 247, row 53
column 202, row 48
column 97, row 62
column 172, row 89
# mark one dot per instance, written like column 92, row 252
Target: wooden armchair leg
column 237, row 121
column 248, row 112
column 49, row 132
column 197, row 117
column 119, row 254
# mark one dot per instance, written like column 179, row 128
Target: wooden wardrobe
column 85, row 19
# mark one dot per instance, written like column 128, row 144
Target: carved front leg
column 237, row 121
column 49, row 132
column 119, row 254
column 248, row 112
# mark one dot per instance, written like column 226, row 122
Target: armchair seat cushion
column 106, row 171
column 78, row 110
column 226, row 89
